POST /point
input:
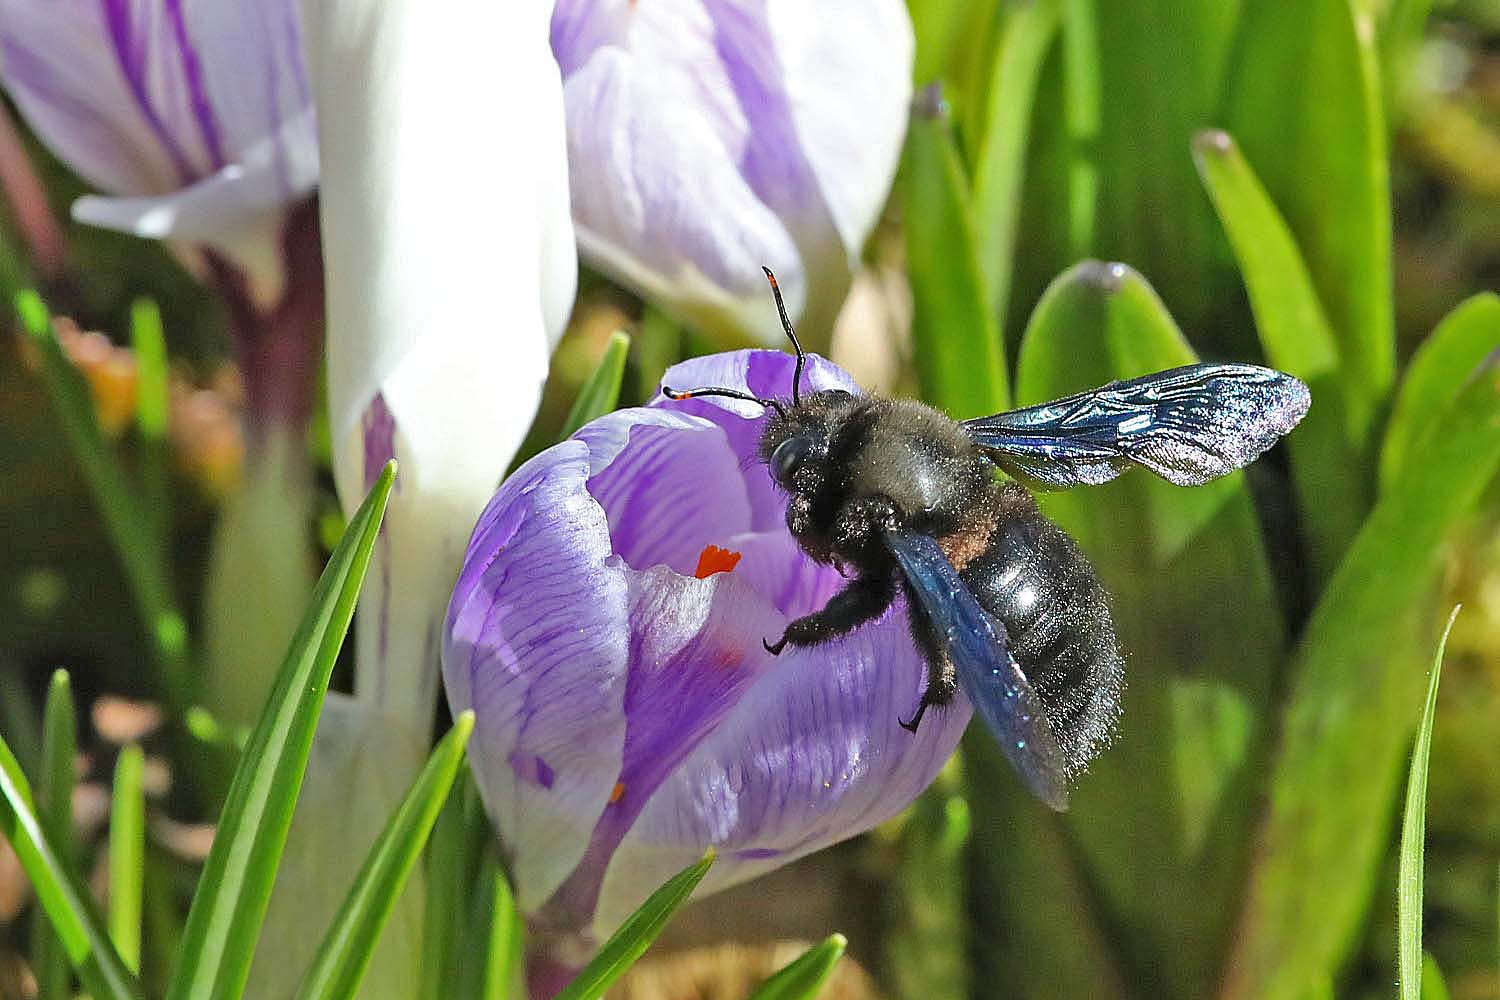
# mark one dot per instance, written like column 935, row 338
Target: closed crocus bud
column 195, row 120
column 607, row 631
column 709, row 138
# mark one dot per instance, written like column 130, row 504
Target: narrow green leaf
column 1414, row 837
column 66, row 904
column 1434, row 987
column 1294, row 331
column 1351, row 709
column 635, row 935
column 490, row 940
column 131, row 527
column 453, row 870
column 152, row 394
column 55, row 811
column 999, row 170
column 351, row 940
column 504, row 940
column 1196, row 614
column 804, row 977
column 958, row 353
column 127, row 856
column 1437, row 371
column 601, row 393
column 1305, row 102
column 19, row 717
column 1083, row 114
column 230, row 902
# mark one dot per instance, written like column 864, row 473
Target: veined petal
column 811, row 755
column 146, row 96
column 660, row 203
column 710, row 138
column 537, row 645
column 239, row 210
column 832, row 50
column 433, row 212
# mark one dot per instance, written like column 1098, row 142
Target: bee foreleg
column 862, row 599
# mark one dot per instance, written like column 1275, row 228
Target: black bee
column 1002, row 603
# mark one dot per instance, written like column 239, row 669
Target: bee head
column 794, row 445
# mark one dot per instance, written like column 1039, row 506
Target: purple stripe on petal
column 131, row 55
column 694, row 650
column 380, row 438
column 192, row 73
column 530, row 767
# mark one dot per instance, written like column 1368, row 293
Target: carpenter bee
column 1001, row 602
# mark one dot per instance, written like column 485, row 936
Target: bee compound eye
column 789, row 456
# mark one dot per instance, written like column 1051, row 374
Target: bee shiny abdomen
column 1035, row 581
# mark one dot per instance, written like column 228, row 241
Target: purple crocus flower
column 707, row 138
column 195, row 118
column 606, row 629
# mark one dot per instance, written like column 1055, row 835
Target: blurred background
column 1241, row 838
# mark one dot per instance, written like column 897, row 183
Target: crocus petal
column 809, row 756
column 237, row 210
column 542, row 665
column 447, row 281
column 147, row 97
column 709, row 138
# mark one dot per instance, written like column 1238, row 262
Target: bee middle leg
column 941, row 683
column 862, row 599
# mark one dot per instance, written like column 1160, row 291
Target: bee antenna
column 717, row 390
column 786, row 324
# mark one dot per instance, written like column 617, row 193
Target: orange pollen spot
column 715, row 560
column 617, row 793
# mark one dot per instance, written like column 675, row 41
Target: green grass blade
column 351, row 940
column 1352, row 707
column 956, row 337
column 1434, row 987
column 1414, row 837
column 635, row 935
column 55, row 810
column 230, row 902
column 503, row 940
column 152, row 394
column 1082, row 115
column 489, row 943
column 1000, row 167
column 130, row 526
column 66, row 905
column 127, row 856
column 804, row 977
column 1437, row 371
column 601, row 393
column 928, row 948
column 1196, row 611
column 1335, row 495
column 1305, row 103
column 454, row 859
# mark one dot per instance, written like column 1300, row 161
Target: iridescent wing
column 987, row 673
column 1188, row 425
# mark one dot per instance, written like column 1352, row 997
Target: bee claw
column 774, row 648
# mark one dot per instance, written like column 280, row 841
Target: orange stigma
column 715, row 560
column 617, row 793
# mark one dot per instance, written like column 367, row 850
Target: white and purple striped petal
column 709, row 138
column 197, row 115
column 628, row 716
